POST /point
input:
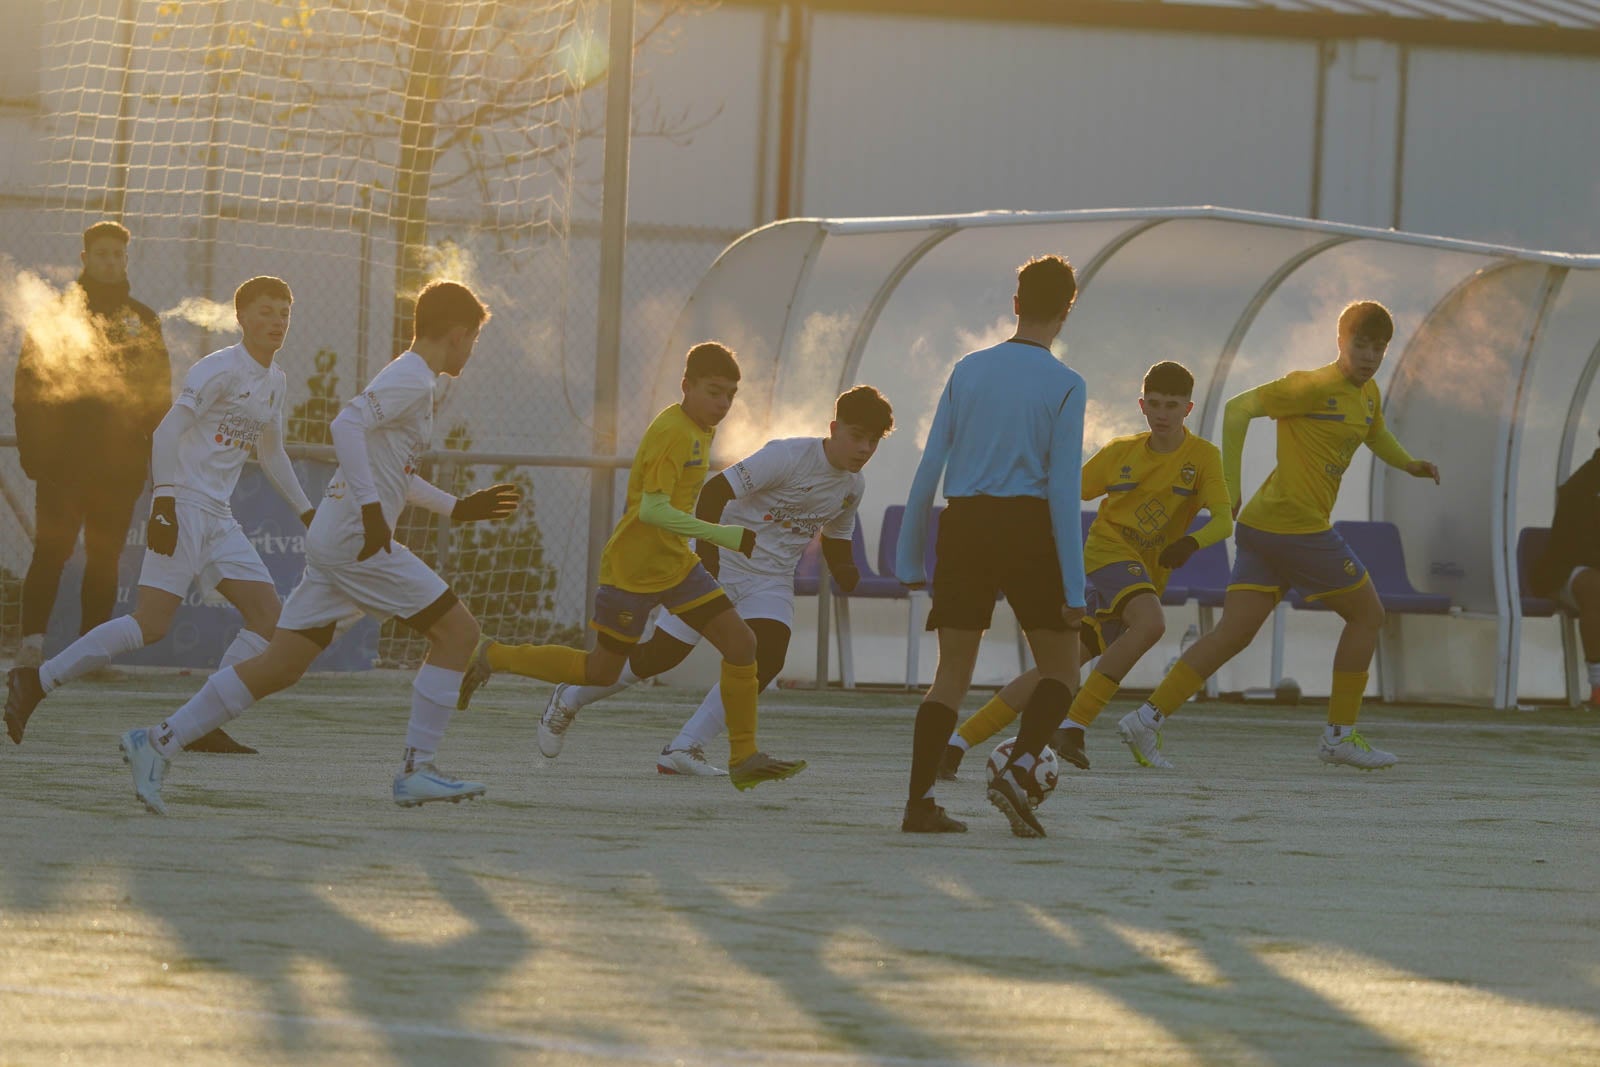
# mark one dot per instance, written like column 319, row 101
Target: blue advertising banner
column 203, row 630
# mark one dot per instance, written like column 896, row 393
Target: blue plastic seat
column 1531, row 543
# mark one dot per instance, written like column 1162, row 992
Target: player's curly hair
column 710, row 359
column 1366, row 318
column 867, row 408
column 1046, row 288
column 1170, row 378
column 442, row 306
column 259, row 286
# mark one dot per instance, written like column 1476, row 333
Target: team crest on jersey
column 1372, row 406
column 695, row 459
column 1332, row 401
column 1135, row 570
column 1126, row 471
column 1350, row 567
column 848, row 502
column 1187, row 474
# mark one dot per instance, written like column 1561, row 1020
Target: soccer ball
column 1046, row 772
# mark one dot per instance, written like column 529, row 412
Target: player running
column 353, row 566
column 232, row 401
column 648, row 562
column 1155, row 483
column 788, row 492
column 1285, row 537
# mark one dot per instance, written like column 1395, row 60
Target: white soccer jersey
column 233, row 398
column 396, row 411
column 787, row 492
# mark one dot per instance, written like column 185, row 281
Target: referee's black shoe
column 23, row 693
column 1068, row 744
column 1011, row 800
column 925, row 817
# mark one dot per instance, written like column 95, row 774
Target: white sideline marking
column 630, row 1053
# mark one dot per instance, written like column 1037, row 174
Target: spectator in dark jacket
column 1569, row 569
column 93, row 381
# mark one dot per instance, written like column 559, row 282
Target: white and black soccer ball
column 1046, row 771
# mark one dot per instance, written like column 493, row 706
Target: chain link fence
column 524, row 402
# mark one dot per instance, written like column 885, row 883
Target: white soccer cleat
column 1143, row 741
column 149, row 767
column 1352, row 750
column 690, row 761
column 554, row 723
column 427, row 784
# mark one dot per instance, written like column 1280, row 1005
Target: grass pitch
column 1250, row 907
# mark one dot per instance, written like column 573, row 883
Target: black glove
column 747, row 544
column 495, row 502
column 375, row 531
column 846, row 577
column 161, row 533
column 710, row 556
column 1177, row 554
column 306, row 517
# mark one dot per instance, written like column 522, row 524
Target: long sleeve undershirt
column 276, row 466
column 350, row 447
column 164, row 449
column 655, row 509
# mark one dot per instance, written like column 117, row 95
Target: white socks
column 957, row 741
column 92, row 651
column 433, row 700
column 581, row 696
column 706, row 724
column 223, row 698
column 247, row 645
column 1334, row 734
column 1150, row 716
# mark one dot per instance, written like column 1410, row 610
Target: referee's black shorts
column 992, row 545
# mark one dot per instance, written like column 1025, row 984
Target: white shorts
column 393, row 584
column 1565, row 597
column 210, row 548
column 754, row 596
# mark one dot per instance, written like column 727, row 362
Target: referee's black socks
column 1042, row 715
column 935, row 724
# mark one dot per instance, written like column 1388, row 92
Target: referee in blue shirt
column 1008, row 439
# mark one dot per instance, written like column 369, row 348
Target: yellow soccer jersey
column 1151, row 497
column 671, row 459
column 1323, row 417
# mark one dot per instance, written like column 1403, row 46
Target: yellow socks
column 1181, row 683
column 1092, row 699
column 739, row 703
column 548, row 663
column 1344, row 706
column 987, row 721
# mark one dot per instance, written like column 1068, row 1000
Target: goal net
column 356, row 148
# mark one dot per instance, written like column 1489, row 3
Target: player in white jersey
column 353, row 566
column 788, row 492
column 232, row 402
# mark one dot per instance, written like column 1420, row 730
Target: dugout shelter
column 1490, row 374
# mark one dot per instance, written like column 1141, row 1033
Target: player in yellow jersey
column 1154, row 483
column 648, row 562
column 1285, row 536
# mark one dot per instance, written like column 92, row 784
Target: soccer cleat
column 1012, row 801
column 950, row 762
column 23, row 693
column 690, row 761
column 1143, row 741
column 760, row 767
column 1068, row 744
column 1352, row 750
column 477, row 673
column 427, row 784
column 555, row 722
column 149, row 767
column 219, row 743
column 925, row 817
